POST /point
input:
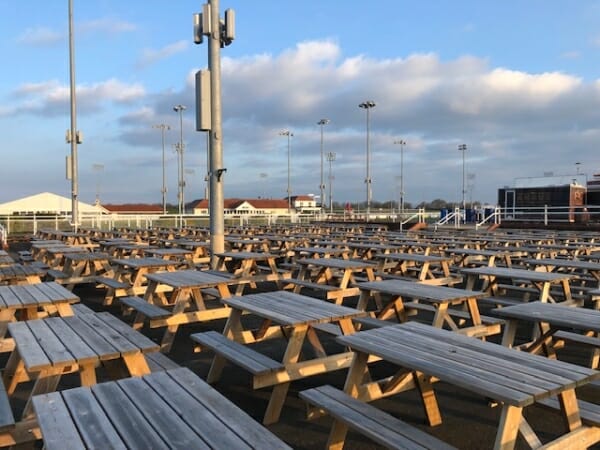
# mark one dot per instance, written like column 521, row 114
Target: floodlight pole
column 163, row 127
column 289, row 135
column 330, row 158
column 322, row 122
column 463, row 148
column 74, row 134
column 368, row 105
column 402, row 143
column 181, row 146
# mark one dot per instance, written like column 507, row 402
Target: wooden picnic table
column 253, row 266
column 417, row 266
column 516, row 380
column 5, row 259
column 180, row 255
column 46, row 349
column 466, row 257
column 130, row 276
column 83, row 268
column 169, row 409
column 293, row 317
column 54, row 255
column 337, row 277
column 20, row 274
column 541, row 281
column 555, row 323
column 200, row 249
column 186, row 301
column 449, row 305
column 571, row 266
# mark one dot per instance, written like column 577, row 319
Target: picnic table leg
column 233, row 326
column 292, row 354
column 508, row 428
column 46, row 382
column 429, row 401
column 570, row 409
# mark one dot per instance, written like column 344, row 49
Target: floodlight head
column 462, row 147
column 178, row 108
column 367, row 104
column 323, row 122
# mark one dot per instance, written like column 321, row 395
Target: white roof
column 45, row 202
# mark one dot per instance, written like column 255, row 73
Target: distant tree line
column 436, row 204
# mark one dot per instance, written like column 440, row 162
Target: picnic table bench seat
column 158, row 362
column 56, row 275
column 144, row 310
column 239, row 354
column 368, row 323
column 578, row 338
column 374, row 423
column 589, row 412
column 501, row 301
column 112, row 283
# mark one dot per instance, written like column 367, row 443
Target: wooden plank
column 159, row 361
column 160, row 416
column 25, row 298
column 58, row 292
column 94, row 426
column 7, row 419
column 58, row 430
column 117, row 340
column 255, row 434
column 137, row 340
column 105, row 350
column 29, row 349
column 237, row 353
column 147, row 309
column 55, row 349
column 130, row 423
column 370, row 421
column 81, row 351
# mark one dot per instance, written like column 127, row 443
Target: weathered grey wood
column 96, row 342
column 116, row 339
column 56, row 423
column 128, row 421
column 168, row 425
column 427, row 292
column 50, row 343
column 7, row 419
column 239, row 354
column 94, row 426
column 147, row 309
column 29, row 349
column 500, row 301
column 158, row 361
column 311, row 285
column 80, row 308
column 57, row 274
column 132, row 338
column 370, row 421
column 82, row 352
column 453, row 312
column 579, row 338
column 112, row 283
column 558, row 315
column 589, row 412
column 252, row 432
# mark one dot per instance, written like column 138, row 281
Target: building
column 246, row 207
column 46, row 203
column 305, row 204
column 133, row 208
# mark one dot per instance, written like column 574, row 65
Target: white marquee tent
column 46, row 202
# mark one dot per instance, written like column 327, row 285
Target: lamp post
column 163, row 127
column 73, row 136
column 180, row 147
column 368, row 105
column 289, row 135
column 322, row 122
column 330, row 158
column 402, row 143
column 463, row 148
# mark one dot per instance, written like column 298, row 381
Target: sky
column 516, row 81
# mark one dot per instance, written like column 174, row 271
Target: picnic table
column 334, row 276
column 456, row 308
column 5, row 259
column 516, row 380
column 187, row 301
column 571, row 266
column 20, row 274
column 169, row 409
column 541, row 282
column 293, row 317
column 417, row 266
column 253, row 266
column 54, row 255
column 466, row 257
column 181, row 255
column 555, row 323
column 129, row 277
column 200, row 249
column 46, row 349
column 82, row 268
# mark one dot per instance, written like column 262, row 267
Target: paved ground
column 468, row 421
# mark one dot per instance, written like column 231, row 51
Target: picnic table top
column 523, row 274
column 89, row 256
column 169, row 408
column 513, row 377
column 80, row 339
column 337, row 263
column 141, row 263
column 257, row 256
column 19, row 271
column 40, row 294
column 288, row 308
column 192, row 278
column 415, row 257
column 419, row 290
column 574, row 263
column 557, row 315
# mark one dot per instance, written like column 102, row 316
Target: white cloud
column 40, row 36
column 152, row 56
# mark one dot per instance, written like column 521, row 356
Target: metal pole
column 163, row 127
column 330, row 158
column 368, row 105
column 216, row 202
column 289, row 185
column 322, row 122
column 74, row 137
column 463, row 148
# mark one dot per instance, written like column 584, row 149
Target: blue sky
column 516, row 81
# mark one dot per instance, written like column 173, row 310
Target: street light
column 463, row 148
column 322, row 122
column 402, row 143
column 73, row 136
column 368, row 105
column 289, row 135
column 180, row 146
column 163, row 127
column 330, row 158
